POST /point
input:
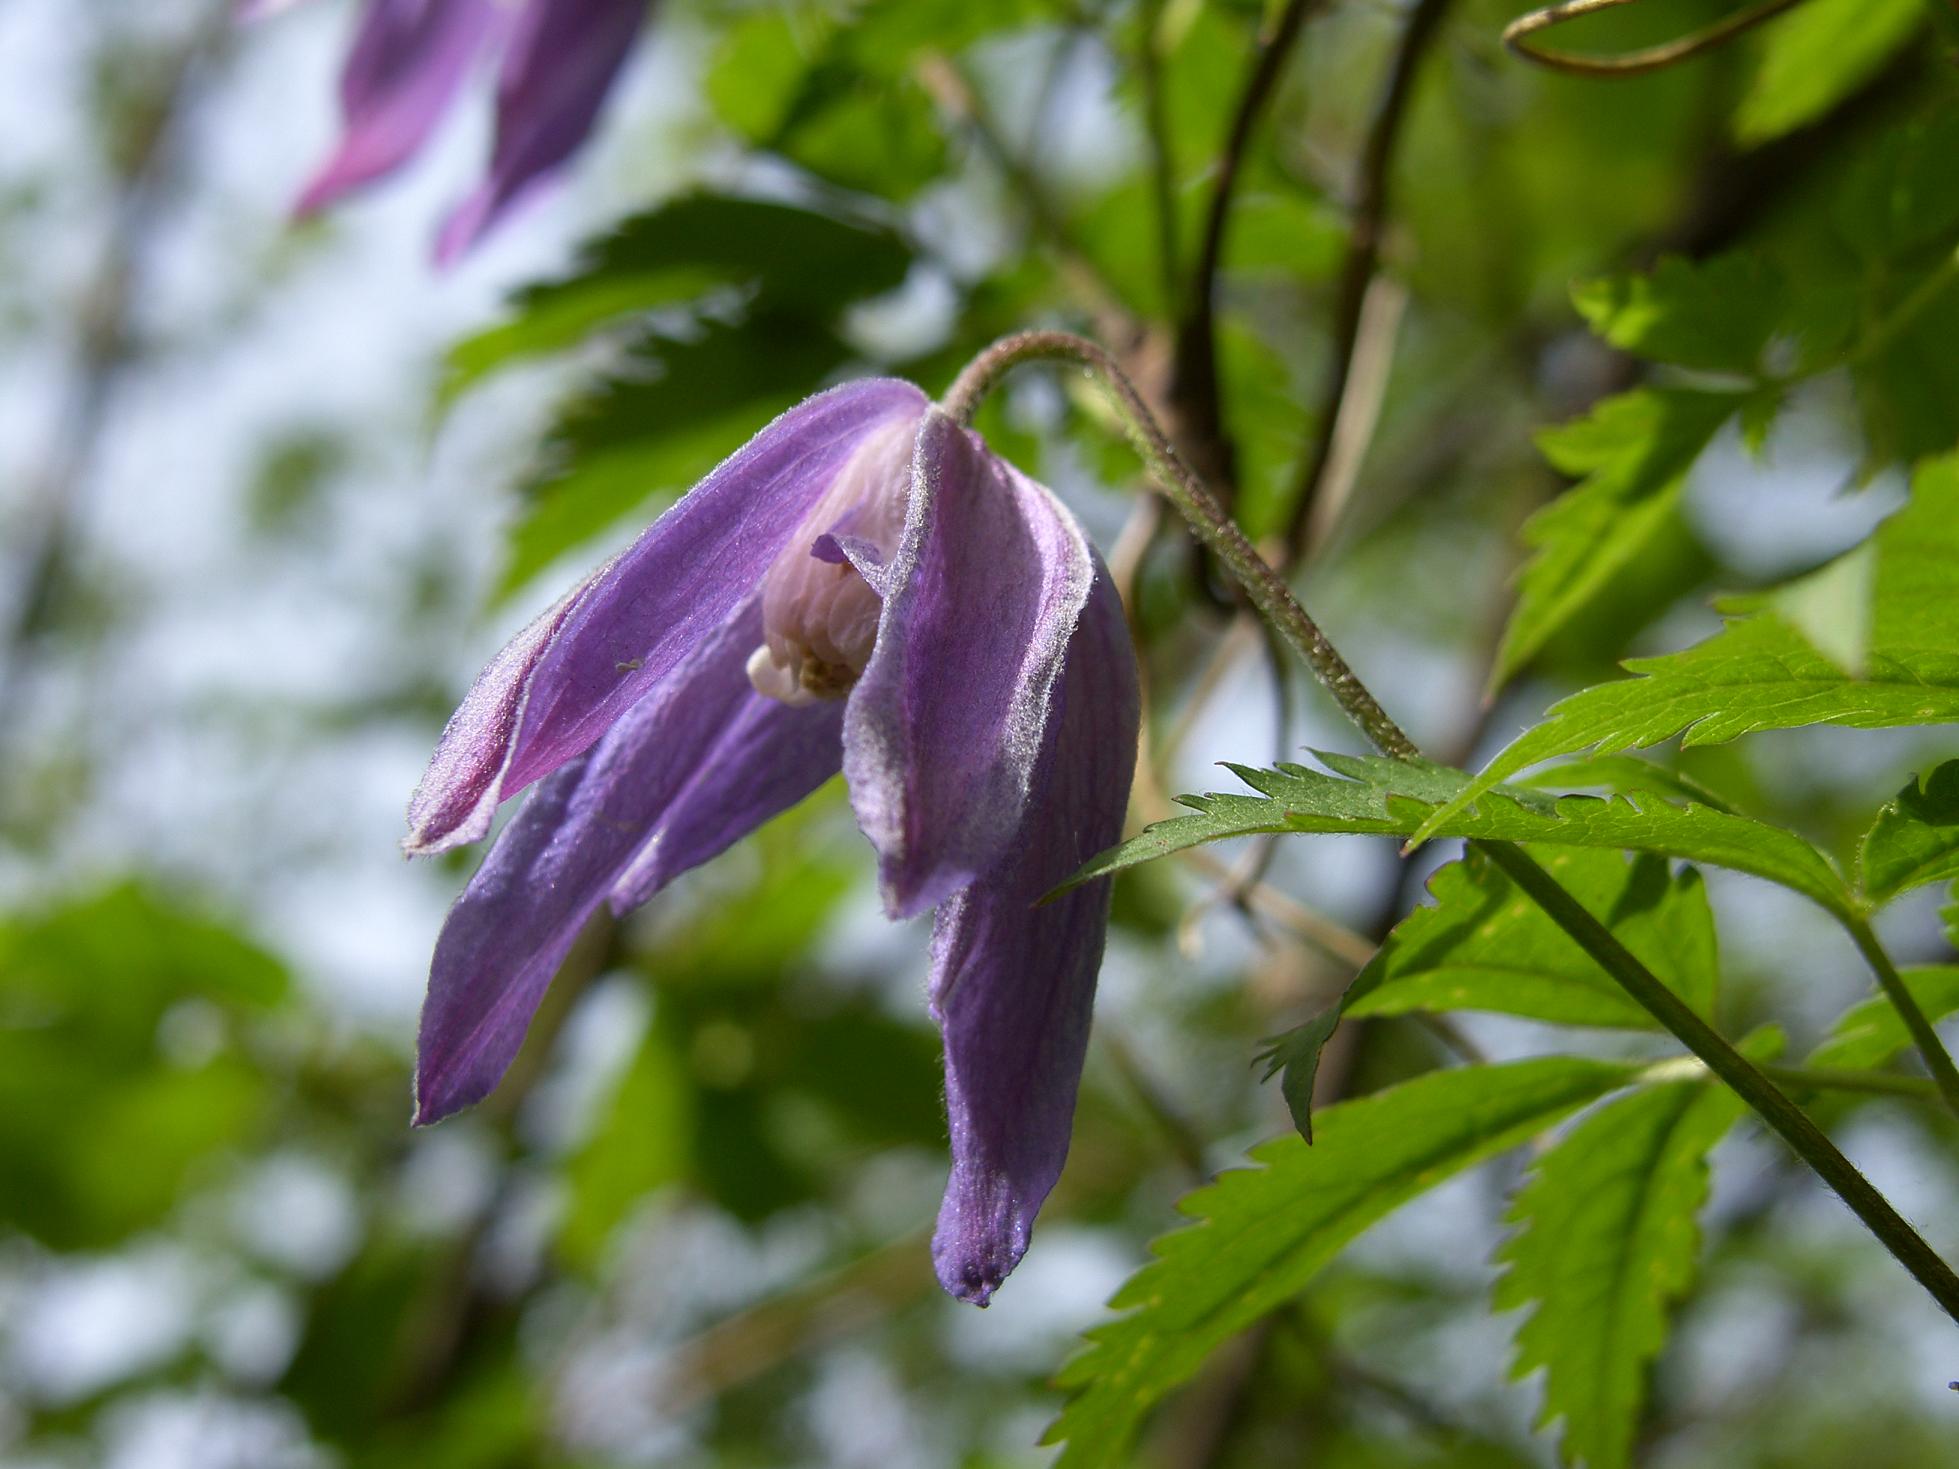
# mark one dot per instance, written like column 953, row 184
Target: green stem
column 1769, row 1101
column 1838, row 1079
column 1265, row 588
column 1937, row 1059
column 1517, row 35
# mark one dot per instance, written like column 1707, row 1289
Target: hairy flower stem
column 1264, row 587
column 1268, row 592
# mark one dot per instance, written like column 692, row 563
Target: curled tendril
column 1517, row 36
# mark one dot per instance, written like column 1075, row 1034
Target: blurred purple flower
column 410, row 57
column 862, row 586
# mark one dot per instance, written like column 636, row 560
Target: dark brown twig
column 1363, row 254
column 1517, row 35
column 104, row 343
column 1156, row 124
column 1199, row 420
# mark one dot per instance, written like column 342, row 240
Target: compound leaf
column 1370, row 795
column 1760, row 672
column 1607, row 1240
column 1483, row 945
column 1262, row 1233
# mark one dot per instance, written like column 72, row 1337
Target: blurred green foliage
column 690, row 1229
column 130, row 1024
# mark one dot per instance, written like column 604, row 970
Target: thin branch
column 743, row 1346
column 1240, row 636
column 451, row 1304
column 1194, row 375
column 1315, row 930
column 105, row 344
column 1383, row 304
column 1632, row 63
column 1769, row 1101
column 1363, row 254
column 1937, row 1060
column 1185, row 1141
column 1866, row 1083
column 954, row 93
column 1156, row 127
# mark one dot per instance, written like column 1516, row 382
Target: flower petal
column 1013, row 984
column 563, row 59
column 769, row 758
column 407, row 60
column 587, row 828
column 248, row 12
column 945, row 726
column 460, row 791
column 568, row 676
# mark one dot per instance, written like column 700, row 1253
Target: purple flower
column 862, row 586
column 410, row 57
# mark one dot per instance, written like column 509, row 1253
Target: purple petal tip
column 440, row 1097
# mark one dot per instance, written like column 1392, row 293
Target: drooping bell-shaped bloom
column 410, row 58
column 862, row 586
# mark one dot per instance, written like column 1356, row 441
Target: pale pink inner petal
column 819, row 614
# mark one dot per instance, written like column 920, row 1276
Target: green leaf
column 647, row 432
column 1623, row 775
column 761, row 61
column 1484, row 945
column 1266, row 422
column 1832, row 608
column 1904, row 197
column 880, row 135
column 640, row 1143
column 1815, row 58
column 840, row 94
column 753, row 288
column 1716, row 315
column 783, row 257
column 1608, row 1239
column 1296, row 1052
column 1894, row 321
column 1915, row 839
column 104, row 1119
column 1370, row 795
column 1760, row 673
column 1870, row 1033
column 1907, row 375
column 1634, row 451
column 1264, row 1232
column 1297, row 235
